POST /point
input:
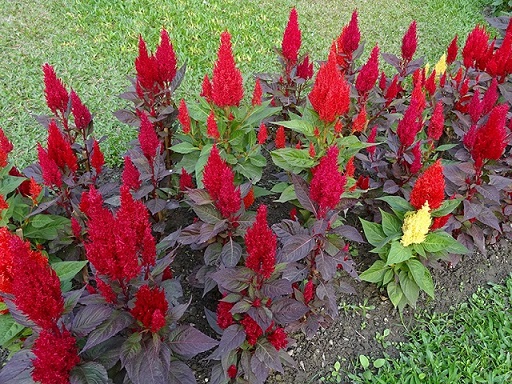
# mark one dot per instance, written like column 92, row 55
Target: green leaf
column 379, row 363
column 9, row 184
column 349, row 146
column 365, row 363
column 421, row 276
column 391, row 225
column 410, row 289
column 184, row 148
column 440, row 241
column 395, row 293
column 301, row 126
column 398, row 253
column 45, row 227
column 207, row 213
column 447, row 207
column 375, row 274
column 249, row 170
column 287, row 195
column 66, row 270
column 445, row 147
column 292, row 160
column 373, row 232
column 397, row 204
column 9, row 328
column 90, row 372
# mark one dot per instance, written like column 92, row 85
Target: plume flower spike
column 292, row 38
column 429, row 187
column 416, row 226
column 261, row 245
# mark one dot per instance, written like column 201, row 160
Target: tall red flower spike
column 59, row 149
column 416, row 163
column 6, row 261
column 475, row 107
column 348, row 41
column 280, row 138
column 212, row 173
column 436, row 124
column 327, row 183
column 147, row 69
column 361, row 121
column 206, row 89
column 212, row 130
column 131, row 175
column 261, row 245
column 291, row 38
column 411, row 123
column 451, row 52
column 256, row 95
column 186, row 181
column 227, row 83
column 262, row 134
column 52, row 176
column 371, row 139
column 369, row 73
column 474, row 53
column 54, row 91
column 5, row 148
column 305, row 69
column 392, row 90
column 330, row 94
column 35, row 285
column 80, row 112
column 56, row 355
column 184, row 117
column 165, row 59
column 97, row 158
column 151, row 307
column 229, row 200
column 490, row 97
column 429, row 187
column 148, row 139
column 409, row 42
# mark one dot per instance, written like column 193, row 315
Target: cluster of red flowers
column 80, row 112
column 150, row 307
column 253, row 331
column 409, row 43
column 148, row 139
column 291, row 39
column 219, row 181
column 184, row 117
column 131, row 175
column 261, row 245
column 348, row 42
column 227, row 83
column 330, row 94
column 55, row 92
column 436, row 125
column 6, row 262
column 412, row 121
column 186, row 181
column 5, row 148
column 327, row 183
column 368, row 74
column 280, row 137
column 155, row 72
column 429, row 187
column 224, row 316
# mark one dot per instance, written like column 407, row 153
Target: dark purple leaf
column 295, row 272
column 288, row 310
column 489, row 192
column 187, row 341
column 231, row 253
column 471, row 210
column 211, row 317
column 296, row 248
column 232, row 279
column 17, row 315
column 212, row 254
column 347, row 288
column 478, row 237
column 500, row 182
column 262, row 316
column 190, row 234
column 176, row 312
column 267, row 354
column 207, row 213
column 326, row 293
column 127, row 117
column 391, row 59
column 173, row 291
column 259, row 369
column 199, row 196
column 302, row 193
column 156, row 205
column 218, row 376
column 311, row 327
column 326, row 265
column 232, row 338
column 89, row 373
column 106, row 353
column 241, row 307
column 178, row 78
column 277, row 288
column 71, row 299
column 180, row 373
column 18, row 369
column 116, row 323
column 349, row 233
column 487, row 217
column 390, row 187
column 89, row 317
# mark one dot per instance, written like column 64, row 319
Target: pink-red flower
column 80, row 112
column 252, row 330
column 411, row 123
column 54, row 91
column 206, row 89
column 186, row 181
column 416, row 163
column 52, row 176
column 6, row 261
column 227, row 83
column 224, row 316
column 369, row 73
column 262, row 134
column 291, row 38
column 261, row 245
column 309, row 291
column 371, row 140
column 278, row 339
column 257, row 93
column 184, row 117
column 165, row 59
column 280, row 138
column 97, row 158
column 150, row 308
column 409, row 42
column 148, row 139
column 305, row 69
column 59, row 149
column 327, row 183
column 436, row 125
column 429, row 187
column 34, row 190
column 452, row 51
column 131, row 175
column 212, row 130
column 348, row 41
column 232, row 371
column 5, row 148
column 475, row 51
column 361, row 121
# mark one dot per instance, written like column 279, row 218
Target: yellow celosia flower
column 441, row 66
column 416, row 225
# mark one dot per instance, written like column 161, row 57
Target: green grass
column 471, row 344
column 93, row 44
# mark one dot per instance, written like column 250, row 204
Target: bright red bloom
column 5, row 148
column 383, row 81
column 490, row 97
column 232, row 371
column 436, row 124
column 206, row 89
column 252, row 330
column 224, row 316
column 54, row 91
column 227, row 87
column 80, row 112
column 430, row 83
column 280, row 137
column 212, row 173
column 305, row 69
column 229, row 200
column 186, row 181
column 261, row 245
column 97, row 158
column 184, row 117
column 409, row 42
column 350, row 36
column 56, row 355
column 312, row 151
column 392, row 90
column 165, row 59
column 131, row 175
column 212, row 130
column 147, row 70
column 34, row 190
column 76, row 228
column 309, row 291
column 327, row 183
column 338, row 127
column 6, row 261
column 416, row 163
column 50, row 170
column 35, row 285
column 429, row 187
column 106, row 291
column 361, row 121
column 291, row 38
column 363, row 182
column 452, row 51
column 59, row 149
column 262, row 134
column 475, row 50
column 439, row 222
column 369, row 73
column 330, row 94
column 249, row 198
column 3, row 204
column 278, row 339
column 350, row 168
column 148, row 139
column 256, row 95
column 411, row 123
column 475, row 107
column 150, row 308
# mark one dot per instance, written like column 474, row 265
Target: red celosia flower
column 361, row 121
column 148, row 139
column 392, row 90
column 167, row 274
column 24, row 187
column 59, row 149
column 371, row 139
column 5, row 148
column 3, row 204
column 312, row 151
column 106, row 291
column 80, row 112
column 212, row 173
column 50, row 170
column 490, row 97
column 262, row 134
column 439, row 222
column 232, row 371
column 261, row 245
column 363, row 182
column 436, row 124
column 6, row 261
column 76, row 228
column 186, row 181
column 165, row 59
column 249, row 198
column 291, row 38
column 278, row 339
column 409, row 42
column 338, row 127
column 430, row 83
column 256, row 95
column 131, row 175
column 54, row 91
column 470, row 137
column 229, row 200
column 369, row 73
column 475, row 50
column 475, row 107
column 97, row 158
column 330, row 94
column 206, row 89
column 227, row 88
column 150, row 308
column 429, row 187
column 224, row 316
column 212, row 130
column 280, row 137
column 184, row 117
column 383, row 81
column 452, row 51
column 350, row 168
column 147, row 69
column 411, row 123
column 305, row 69
column 34, row 190
column 35, row 285
column 350, row 36
column 309, row 291
column 416, row 163
column 252, row 330
column 56, row 355
column 442, row 80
